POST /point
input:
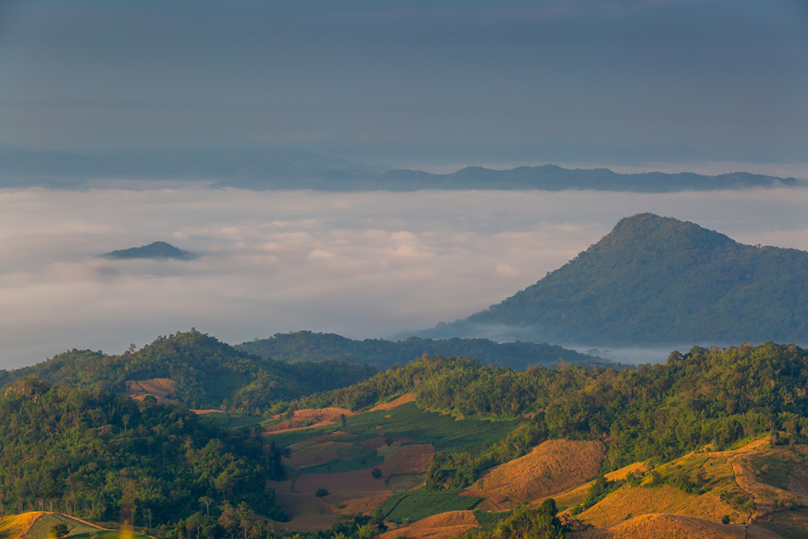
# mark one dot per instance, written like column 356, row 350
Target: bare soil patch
column 403, row 399
column 317, row 417
column 379, row 441
column 552, row 467
column 162, row 389
column 316, row 454
column 410, row 459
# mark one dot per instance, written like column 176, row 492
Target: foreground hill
column 655, row 281
column 308, row 346
column 194, row 369
column 106, row 457
column 717, row 435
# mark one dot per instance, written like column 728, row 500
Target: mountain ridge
column 657, row 280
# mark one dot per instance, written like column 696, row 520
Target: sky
column 674, row 85
column 617, row 82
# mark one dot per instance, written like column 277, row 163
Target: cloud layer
column 360, row 264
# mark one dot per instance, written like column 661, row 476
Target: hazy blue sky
column 566, row 80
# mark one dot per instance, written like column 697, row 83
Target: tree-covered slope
column 101, row 456
column 308, row 346
column 656, row 280
column 206, row 373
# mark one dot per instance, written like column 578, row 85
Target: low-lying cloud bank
column 359, row 264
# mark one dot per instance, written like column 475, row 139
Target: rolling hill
column 657, row 281
column 196, row 370
column 709, row 442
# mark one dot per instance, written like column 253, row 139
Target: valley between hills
column 445, row 435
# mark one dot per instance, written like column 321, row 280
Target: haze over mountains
column 656, row 281
column 286, row 168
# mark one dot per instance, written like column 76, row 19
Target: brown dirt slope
column 356, row 490
column 403, row 399
column 162, row 389
column 552, row 467
column 318, row 417
column 656, row 526
column 440, row 526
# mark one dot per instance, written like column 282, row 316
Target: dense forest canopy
column 656, row 280
column 307, row 346
column 99, row 455
column 207, row 373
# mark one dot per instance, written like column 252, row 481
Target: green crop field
column 355, row 457
column 232, row 421
column 285, row 439
column 415, row 505
column 442, row 431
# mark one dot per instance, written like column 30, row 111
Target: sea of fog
column 363, row 265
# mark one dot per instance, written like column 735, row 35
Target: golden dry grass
column 403, row 399
column 665, row 499
column 656, row 526
column 577, row 495
column 551, row 468
column 16, row 526
column 440, row 526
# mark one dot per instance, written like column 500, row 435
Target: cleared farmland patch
column 440, row 526
column 552, row 467
column 442, row 431
column 419, row 504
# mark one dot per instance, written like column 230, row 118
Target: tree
column 321, row 492
column 59, row 530
column 376, row 473
column 207, row 501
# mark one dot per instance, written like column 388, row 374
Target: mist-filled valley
column 363, row 265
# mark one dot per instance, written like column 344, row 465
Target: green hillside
column 307, row 346
column 99, row 456
column 657, row 280
column 652, row 412
column 207, row 373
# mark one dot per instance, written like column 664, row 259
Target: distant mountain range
column 159, row 250
column 656, row 281
column 307, row 346
column 286, row 168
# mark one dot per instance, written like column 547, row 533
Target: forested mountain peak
column 662, row 281
column 158, row 250
column 194, row 369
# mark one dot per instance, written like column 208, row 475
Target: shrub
column 725, row 519
column 376, row 473
column 321, row 492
